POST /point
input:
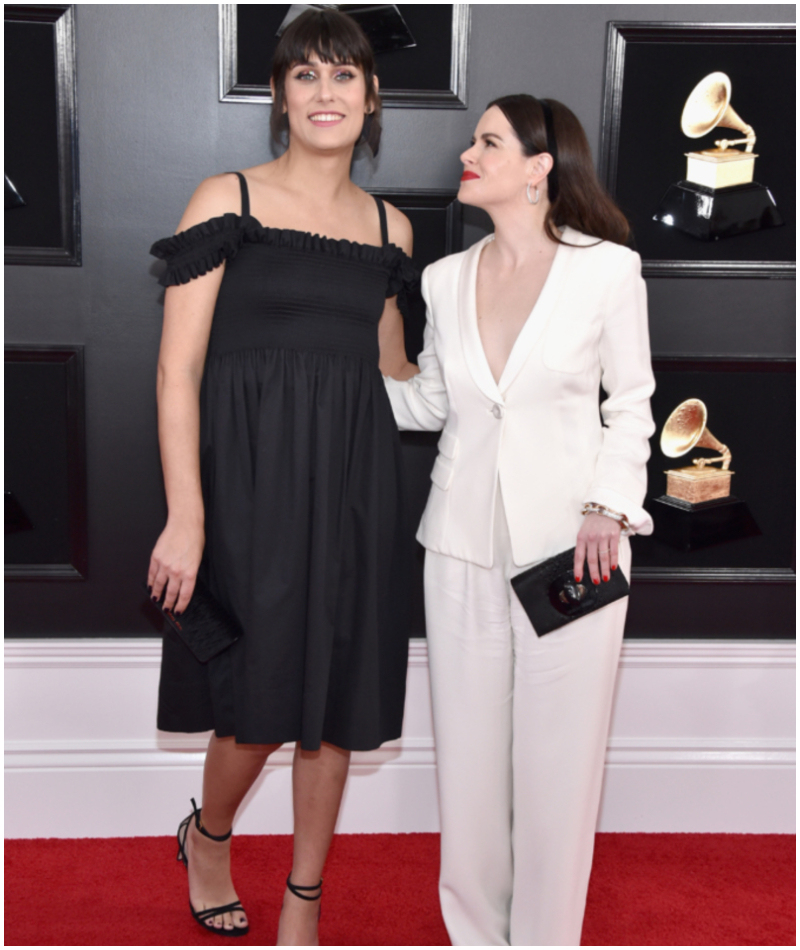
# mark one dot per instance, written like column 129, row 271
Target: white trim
column 127, row 652
column 702, row 739
column 75, row 754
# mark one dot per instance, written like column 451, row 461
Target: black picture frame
column 436, row 217
column 431, row 76
column 751, row 409
column 41, row 150
column 45, row 464
column 650, row 70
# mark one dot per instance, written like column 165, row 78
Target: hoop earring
column 535, row 199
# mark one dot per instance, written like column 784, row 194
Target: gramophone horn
column 709, row 105
column 686, row 428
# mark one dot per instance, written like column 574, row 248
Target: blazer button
column 497, row 411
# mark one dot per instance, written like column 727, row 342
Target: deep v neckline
column 510, row 368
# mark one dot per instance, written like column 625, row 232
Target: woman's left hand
column 598, row 543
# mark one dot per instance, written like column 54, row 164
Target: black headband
column 552, row 148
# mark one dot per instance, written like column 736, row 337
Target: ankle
column 305, row 892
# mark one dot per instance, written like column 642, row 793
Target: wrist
column 593, row 508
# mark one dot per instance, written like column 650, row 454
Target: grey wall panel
column 151, row 127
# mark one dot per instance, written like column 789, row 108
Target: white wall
column 702, row 740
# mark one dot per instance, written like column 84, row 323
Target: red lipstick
column 469, row 176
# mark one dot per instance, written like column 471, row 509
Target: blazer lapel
column 542, row 310
column 474, row 353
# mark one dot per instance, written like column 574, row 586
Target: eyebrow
column 489, row 135
column 319, row 62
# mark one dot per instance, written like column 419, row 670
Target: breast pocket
column 570, row 343
column 442, row 473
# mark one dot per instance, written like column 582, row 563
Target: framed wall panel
column 431, row 75
column 436, row 218
column 751, row 409
column 651, row 68
column 42, row 200
column 45, row 464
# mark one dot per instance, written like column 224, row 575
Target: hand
column 598, row 543
column 174, row 564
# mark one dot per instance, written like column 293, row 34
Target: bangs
column 332, row 39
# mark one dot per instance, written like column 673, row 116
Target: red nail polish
column 613, row 567
column 605, row 577
column 594, row 581
column 577, row 579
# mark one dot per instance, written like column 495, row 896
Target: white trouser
column 521, row 726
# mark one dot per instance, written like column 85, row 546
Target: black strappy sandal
column 201, row 916
column 297, row 890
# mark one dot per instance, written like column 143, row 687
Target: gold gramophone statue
column 699, row 482
column 718, row 198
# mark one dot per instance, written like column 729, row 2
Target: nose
column 466, row 157
column 325, row 88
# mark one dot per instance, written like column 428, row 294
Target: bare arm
column 391, row 338
column 188, row 313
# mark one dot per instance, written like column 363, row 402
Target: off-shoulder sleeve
column 404, row 276
column 199, row 249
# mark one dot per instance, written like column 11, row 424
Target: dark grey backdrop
column 151, row 127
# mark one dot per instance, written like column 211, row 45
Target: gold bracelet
column 593, row 508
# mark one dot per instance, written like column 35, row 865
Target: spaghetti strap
column 245, row 195
column 382, row 215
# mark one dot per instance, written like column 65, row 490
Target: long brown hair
column 335, row 38
column 580, row 200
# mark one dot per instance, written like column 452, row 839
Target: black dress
column 306, row 541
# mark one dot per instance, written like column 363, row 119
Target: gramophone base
column 688, row 527
column 710, row 214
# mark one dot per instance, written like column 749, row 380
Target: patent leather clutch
column 553, row 598
column 204, row 626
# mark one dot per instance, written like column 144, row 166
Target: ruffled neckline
column 204, row 246
column 257, row 233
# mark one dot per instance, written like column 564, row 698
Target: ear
column 539, row 166
column 272, row 92
column 375, row 86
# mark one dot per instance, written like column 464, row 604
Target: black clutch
column 552, row 597
column 205, row 626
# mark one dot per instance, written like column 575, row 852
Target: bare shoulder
column 400, row 231
column 213, row 197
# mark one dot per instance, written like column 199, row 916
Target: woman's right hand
column 174, row 564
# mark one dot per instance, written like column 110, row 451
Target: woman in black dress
column 281, row 466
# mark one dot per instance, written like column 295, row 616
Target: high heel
column 201, row 916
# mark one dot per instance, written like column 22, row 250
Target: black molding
column 619, row 35
column 455, row 97
column 62, row 17
column 72, row 358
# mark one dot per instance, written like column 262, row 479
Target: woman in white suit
column 523, row 329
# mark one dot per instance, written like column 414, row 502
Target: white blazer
column 539, row 430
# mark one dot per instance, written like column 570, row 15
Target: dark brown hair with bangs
column 581, row 201
column 335, row 38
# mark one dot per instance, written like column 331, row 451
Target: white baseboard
column 702, row 739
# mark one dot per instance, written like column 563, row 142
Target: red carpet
column 646, row 890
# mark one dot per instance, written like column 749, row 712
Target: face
column 325, row 103
column 495, row 168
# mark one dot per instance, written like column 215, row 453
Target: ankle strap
column 199, row 825
column 297, row 888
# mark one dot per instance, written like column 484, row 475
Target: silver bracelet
column 593, row 508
